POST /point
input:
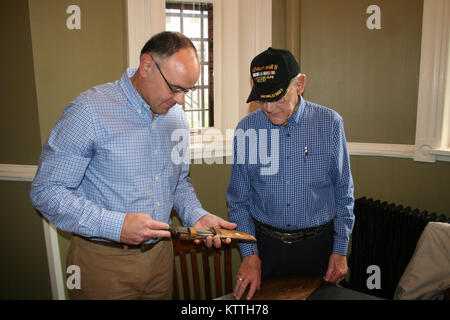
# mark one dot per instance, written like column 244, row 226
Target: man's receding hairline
column 165, row 44
column 160, row 59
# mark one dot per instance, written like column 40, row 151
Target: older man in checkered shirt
column 291, row 185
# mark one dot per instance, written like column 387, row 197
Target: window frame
column 433, row 107
column 177, row 4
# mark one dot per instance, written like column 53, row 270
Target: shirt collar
column 130, row 92
column 296, row 116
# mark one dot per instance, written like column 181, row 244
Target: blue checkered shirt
column 309, row 186
column 107, row 157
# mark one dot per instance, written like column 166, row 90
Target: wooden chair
column 184, row 248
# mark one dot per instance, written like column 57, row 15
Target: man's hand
column 249, row 273
column 139, row 227
column 208, row 221
column 337, row 269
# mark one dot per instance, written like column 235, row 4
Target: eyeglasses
column 172, row 90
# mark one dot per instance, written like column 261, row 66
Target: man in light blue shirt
column 299, row 205
column 107, row 175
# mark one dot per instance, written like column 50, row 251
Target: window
column 195, row 20
column 242, row 29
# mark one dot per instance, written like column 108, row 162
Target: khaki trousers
column 121, row 273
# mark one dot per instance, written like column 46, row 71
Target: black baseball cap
column 272, row 71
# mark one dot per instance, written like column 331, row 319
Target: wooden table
column 301, row 288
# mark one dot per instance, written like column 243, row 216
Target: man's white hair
column 295, row 80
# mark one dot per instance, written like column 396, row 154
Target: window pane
column 191, row 27
column 172, row 23
column 199, row 123
column 198, row 99
column 205, row 25
column 188, row 101
column 194, row 99
column 189, row 119
column 195, row 119
column 206, row 75
column 206, row 106
column 205, row 51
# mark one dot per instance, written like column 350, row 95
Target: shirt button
column 139, row 111
column 288, row 135
column 288, row 182
column 158, row 204
column 156, row 178
column 156, row 151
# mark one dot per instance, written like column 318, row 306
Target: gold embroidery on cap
column 272, row 95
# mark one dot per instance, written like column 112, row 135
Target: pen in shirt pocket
column 305, row 153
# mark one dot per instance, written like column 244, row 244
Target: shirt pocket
column 314, row 169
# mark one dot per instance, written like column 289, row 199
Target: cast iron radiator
column 384, row 235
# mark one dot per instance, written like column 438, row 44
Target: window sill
column 381, row 150
column 442, row 154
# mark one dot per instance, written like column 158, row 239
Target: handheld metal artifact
column 193, row 233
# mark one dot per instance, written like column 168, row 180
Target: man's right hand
column 249, row 273
column 139, row 227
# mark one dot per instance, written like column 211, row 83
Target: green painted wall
column 24, row 268
column 19, row 127
column 211, row 183
column 421, row 185
column 369, row 76
column 68, row 62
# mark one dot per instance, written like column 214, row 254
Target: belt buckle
column 284, row 239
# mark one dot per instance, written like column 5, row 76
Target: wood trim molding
column 145, row 18
column 433, row 79
column 54, row 261
column 11, row 172
column 17, row 172
column 405, row 151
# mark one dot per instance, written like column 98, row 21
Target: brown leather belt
column 290, row 237
column 143, row 247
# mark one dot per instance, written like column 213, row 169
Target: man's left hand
column 208, row 221
column 337, row 269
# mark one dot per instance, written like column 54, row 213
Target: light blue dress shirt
column 309, row 186
column 107, row 157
